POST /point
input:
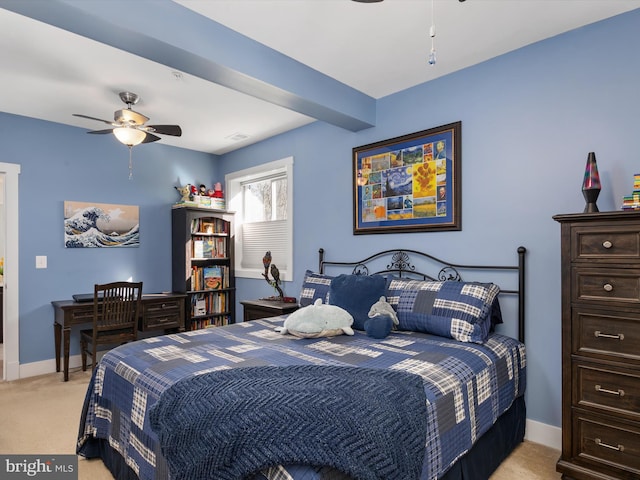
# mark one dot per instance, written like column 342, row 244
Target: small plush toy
column 382, row 319
column 318, row 320
column 203, row 191
column 184, row 192
column 194, row 191
column 382, row 307
column 217, row 191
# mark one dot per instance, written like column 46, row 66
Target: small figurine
column 184, row 193
column 217, row 190
column 194, row 192
column 275, row 273
column 203, row 190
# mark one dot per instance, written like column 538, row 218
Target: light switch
column 41, row 261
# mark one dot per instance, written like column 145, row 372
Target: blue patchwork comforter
column 467, row 386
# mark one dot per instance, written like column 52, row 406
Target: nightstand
column 254, row 309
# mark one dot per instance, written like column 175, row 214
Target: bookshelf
column 202, row 265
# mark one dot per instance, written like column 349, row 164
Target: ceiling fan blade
column 150, row 138
column 174, row 130
column 92, row 118
column 108, row 130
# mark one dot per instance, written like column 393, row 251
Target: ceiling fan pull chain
column 130, row 164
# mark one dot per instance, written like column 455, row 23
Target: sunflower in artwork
column 424, row 180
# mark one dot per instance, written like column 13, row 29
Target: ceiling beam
column 170, row 34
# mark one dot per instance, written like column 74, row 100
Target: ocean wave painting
column 89, row 225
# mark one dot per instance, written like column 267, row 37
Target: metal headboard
column 402, row 263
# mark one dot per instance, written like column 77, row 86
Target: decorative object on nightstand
column 275, row 273
column 600, row 274
column 591, row 184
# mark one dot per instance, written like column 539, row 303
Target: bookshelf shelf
column 202, row 265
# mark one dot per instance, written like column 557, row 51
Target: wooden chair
column 116, row 308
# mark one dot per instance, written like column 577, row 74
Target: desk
column 159, row 312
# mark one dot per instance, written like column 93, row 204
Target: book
column 198, row 249
column 200, row 307
column 212, row 277
column 208, row 248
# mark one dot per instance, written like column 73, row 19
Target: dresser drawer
column 608, row 444
column 607, row 389
column 162, row 314
column 601, row 285
column 619, row 243
column 611, row 335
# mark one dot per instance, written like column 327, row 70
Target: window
column 262, row 198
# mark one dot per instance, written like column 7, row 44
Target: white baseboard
column 544, row 434
column 45, row 367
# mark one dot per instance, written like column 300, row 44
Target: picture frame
column 100, row 225
column 410, row 183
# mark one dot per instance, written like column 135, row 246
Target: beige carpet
column 40, row 415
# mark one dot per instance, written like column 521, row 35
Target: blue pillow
column 496, row 315
column 379, row 326
column 458, row 310
column 315, row 286
column 356, row 294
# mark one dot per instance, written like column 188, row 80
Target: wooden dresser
column 600, row 346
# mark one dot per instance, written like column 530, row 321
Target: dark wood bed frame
column 402, row 263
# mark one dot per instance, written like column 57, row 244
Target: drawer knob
column 607, row 287
column 619, row 392
column 600, row 443
column 618, row 336
column 607, row 244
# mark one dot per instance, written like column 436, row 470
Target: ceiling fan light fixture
column 129, row 136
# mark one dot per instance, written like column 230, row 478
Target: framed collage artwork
column 409, row 183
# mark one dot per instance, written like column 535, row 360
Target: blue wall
column 61, row 163
column 529, row 118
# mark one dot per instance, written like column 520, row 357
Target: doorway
column 9, row 231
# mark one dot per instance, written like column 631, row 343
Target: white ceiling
column 377, row 48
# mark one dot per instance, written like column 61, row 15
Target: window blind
column 260, row 237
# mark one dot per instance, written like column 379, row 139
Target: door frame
column 11, row 364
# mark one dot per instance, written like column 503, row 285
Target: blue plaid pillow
column 458, row 310
column 314, row 286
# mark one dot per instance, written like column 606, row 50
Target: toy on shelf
column 185, row 193
column 191, row 195
column 217, row 191
column 632, row 202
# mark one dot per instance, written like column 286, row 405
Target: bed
column 440, row 397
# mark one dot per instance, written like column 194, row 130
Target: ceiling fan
column 129, row 126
